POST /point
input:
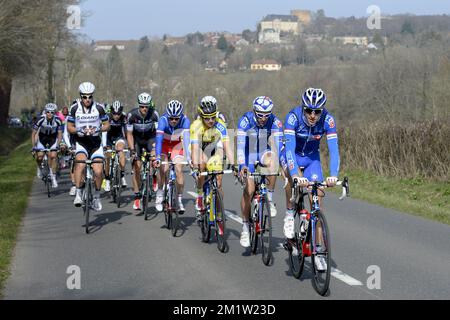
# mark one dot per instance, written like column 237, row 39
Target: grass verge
column 430, row 200
column 16, row 178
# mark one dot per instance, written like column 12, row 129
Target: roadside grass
column 419, row 197
column 16, row 178
column 11, row 138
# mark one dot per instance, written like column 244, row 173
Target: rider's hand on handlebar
column 331, row 181
column 301, row 181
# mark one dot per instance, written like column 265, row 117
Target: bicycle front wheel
column 174, row 212
column 295, row 249
column 266, row 233
column 220, row 223
column 321, row 279
column 146, row 196
column 87, row 204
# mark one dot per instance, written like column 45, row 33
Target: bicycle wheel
column 114, row 183
column 118, row 187
column 321, row 279
column 167, row 205
column 146, row 196
column 174, row 211
column 87, row 204
column 252, row 230
column 266, row 233
column 205, row 223
column 220, row 223
column 295, row 249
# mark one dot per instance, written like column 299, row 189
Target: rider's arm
column 130, row 138
column 242, row 157
column 277, row 132
column 291, row 125
column 159, row 137
column 194, row 140
column 333, row 146
column 104, row 119
column 66, row 137
column 187, row 139
column 226, row 143
column 71, row 128
column 34, row 133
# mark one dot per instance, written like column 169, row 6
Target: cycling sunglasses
column 174, row 118
column 87, row 97
column 310, row 111
column 262, row 115
column 144, row 107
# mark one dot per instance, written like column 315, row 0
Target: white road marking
column 338, row 274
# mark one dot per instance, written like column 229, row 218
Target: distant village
column 273, row 29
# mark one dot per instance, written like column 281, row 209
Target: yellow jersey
column 201, row 134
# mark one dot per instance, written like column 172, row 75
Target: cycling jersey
column 200, row 133
column 303, row 144
column 88, row 118
column 48, row 132
column 117, row 130
column 143, row 128
column 252, row 139
column 171, row 137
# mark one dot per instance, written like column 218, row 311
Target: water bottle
column 304, row 219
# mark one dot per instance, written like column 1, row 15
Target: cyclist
column 87, row 119
column 172, row 137
column 47, row 134
column 141, row 133
column 209, row 141
column 115, row 137
column 259, row 138
column 304, row 128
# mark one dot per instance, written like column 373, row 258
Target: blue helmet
column 262, row 104
column 314, row 98
column 174, row 109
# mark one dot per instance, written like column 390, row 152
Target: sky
column 133, row 19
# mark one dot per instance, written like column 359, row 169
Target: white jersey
column 88, row 118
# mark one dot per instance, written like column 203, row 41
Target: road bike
column 260, row 220
column 213, row 212
column 115, row 174
column 87, row 195
column 312, row 234
column 171, row 213
column 148, row 182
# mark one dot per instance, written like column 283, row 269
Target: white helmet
column 145, row 99
column 86, row 88
column 117, row 107
column 263, row 104
column 174, row 109
column 50, row 107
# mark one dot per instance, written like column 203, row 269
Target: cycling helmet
column 262, row 104
column 174, row 109
column 208, row 107
column 117, row 107
column 86, row 88
column 314, row 98
column 50, row 107
column 145, row 99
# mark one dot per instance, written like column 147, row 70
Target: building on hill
column 171, row 41
column 269, row 36
column 108, row 45
column 265, row 64
column 358, row 41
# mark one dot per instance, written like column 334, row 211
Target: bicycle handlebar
column 343, row 183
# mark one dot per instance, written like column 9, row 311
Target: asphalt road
column 130, row 258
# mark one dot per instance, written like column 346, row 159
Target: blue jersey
column 304, row 141
column 168, row 134
column 253, row 140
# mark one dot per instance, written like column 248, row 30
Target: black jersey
column 143, row 127
column 117, row 128
column 48, row 129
